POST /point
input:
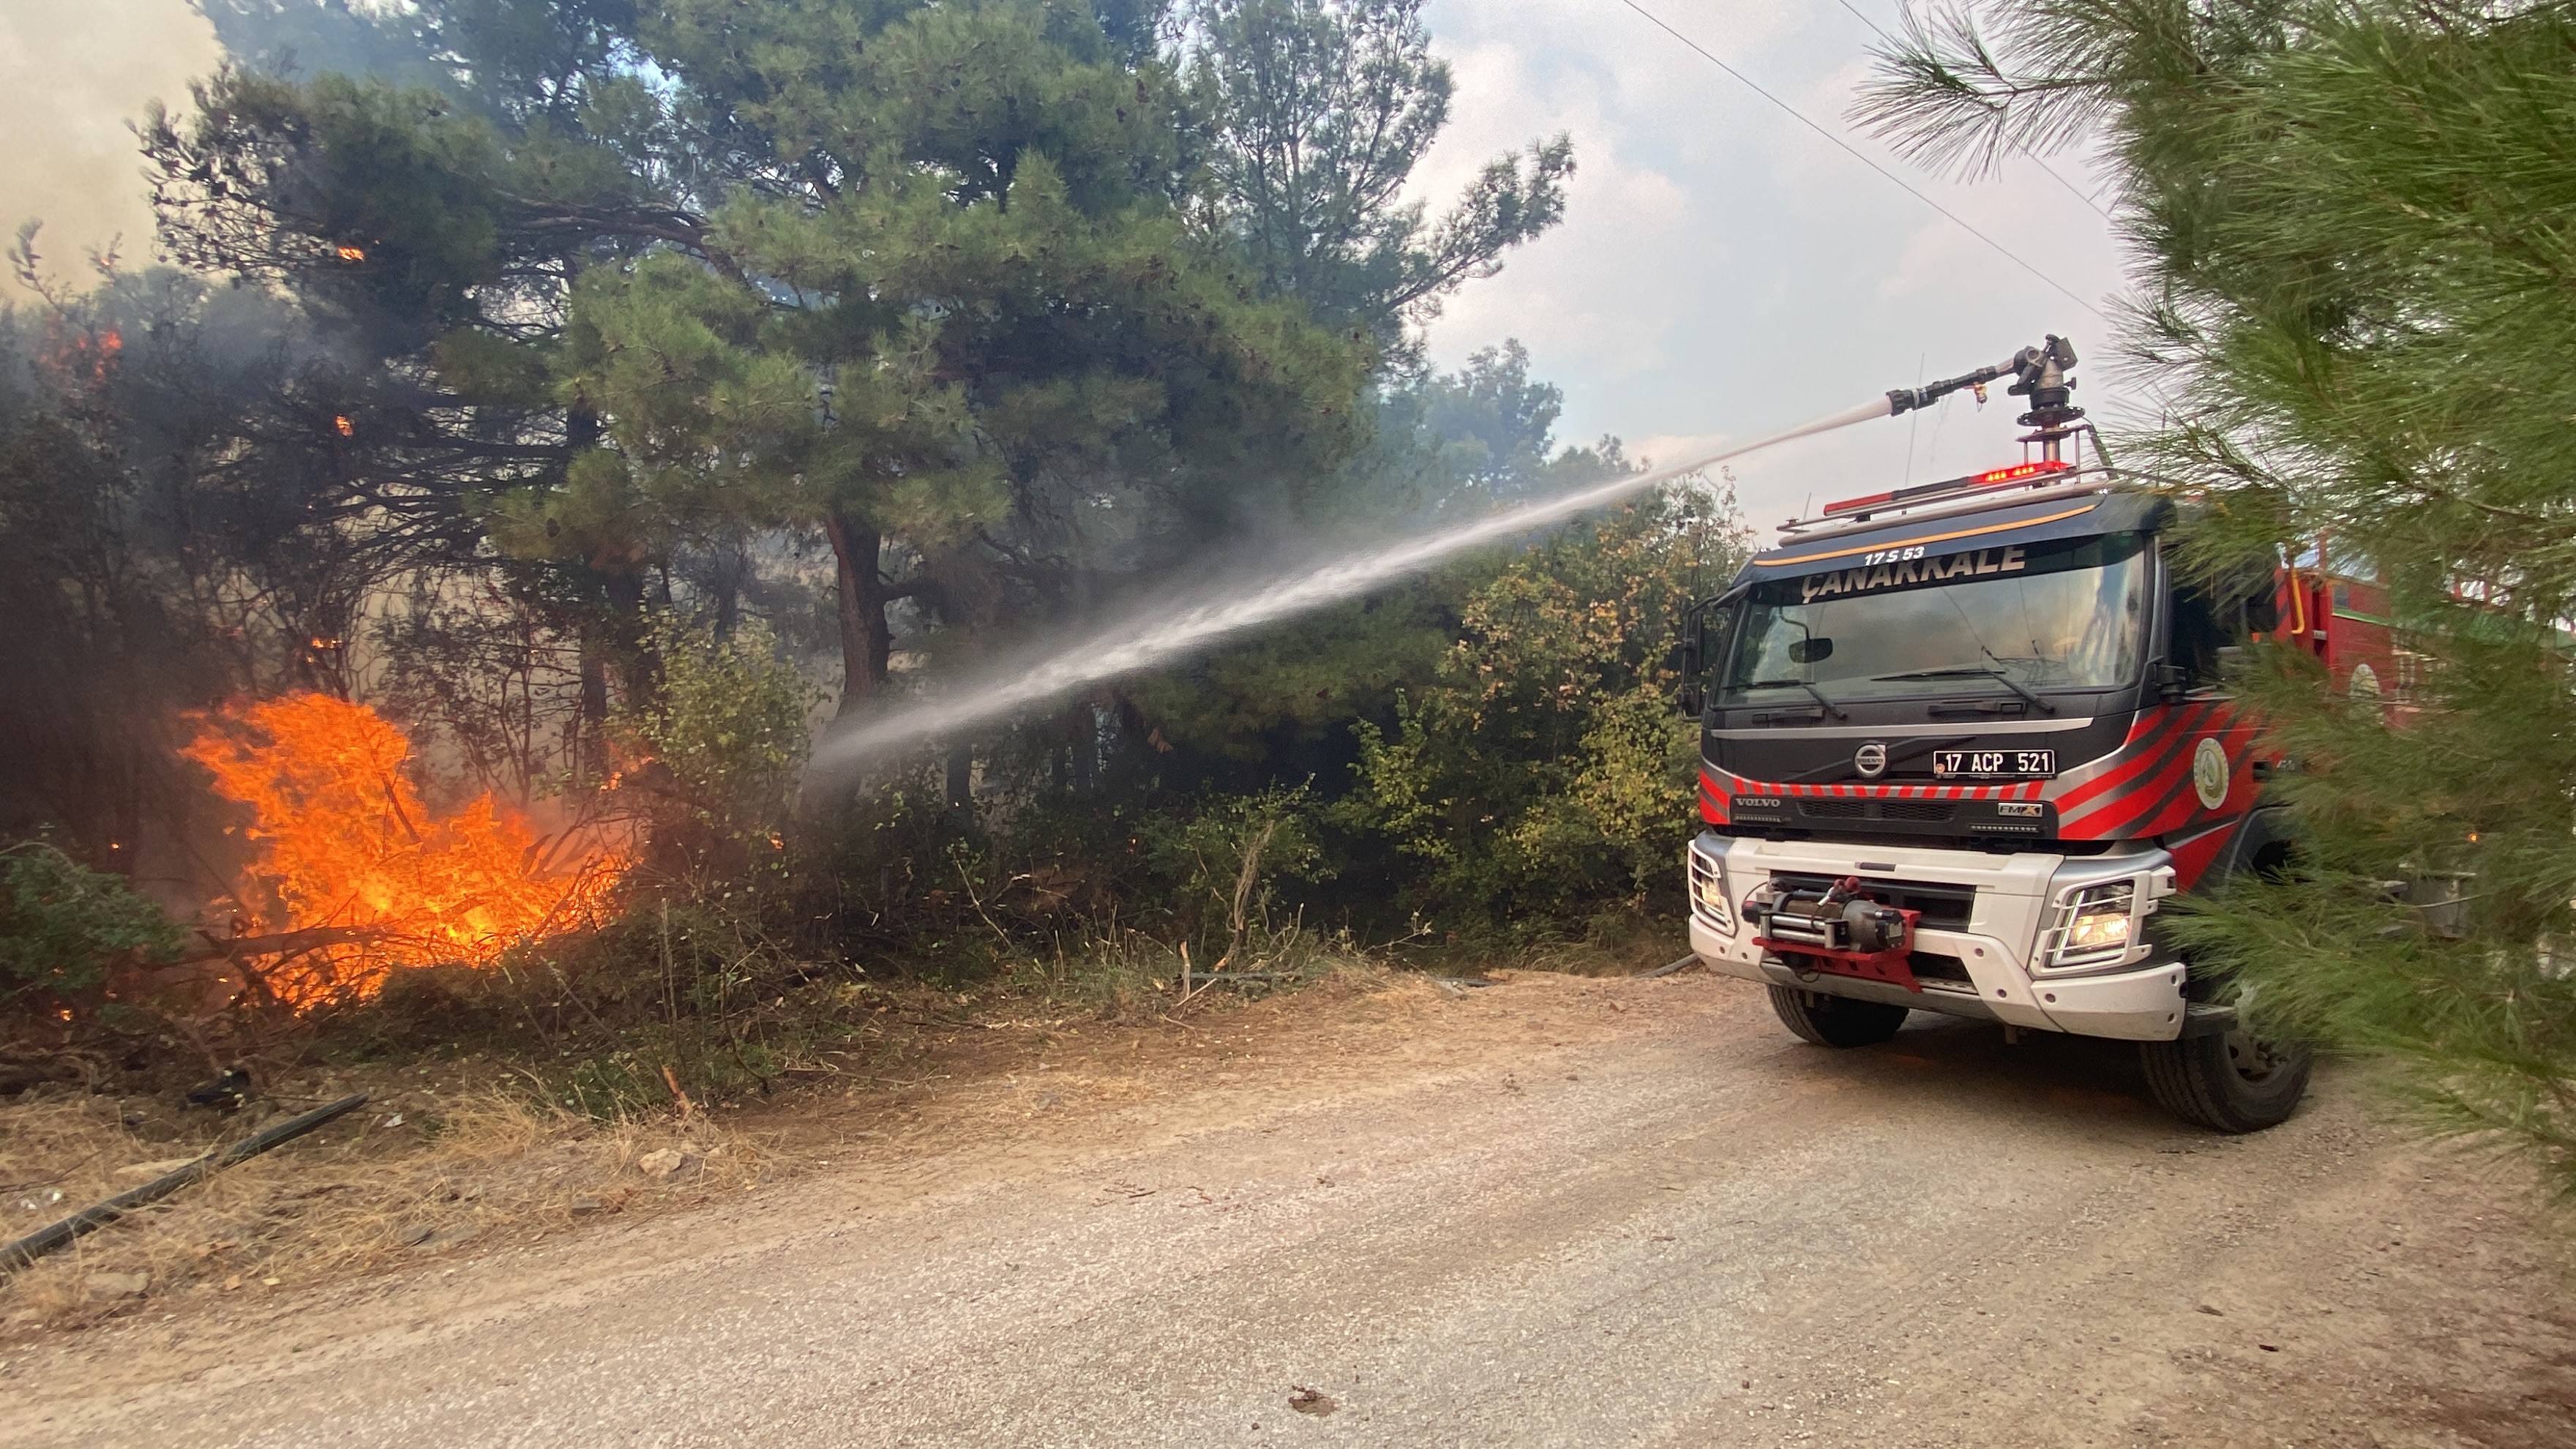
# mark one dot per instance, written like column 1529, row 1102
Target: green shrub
column 1545, row 768
column 725, row 734
column 63, row 925
column 1222, row 856
column 716, row 750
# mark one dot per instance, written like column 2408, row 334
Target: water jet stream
column 1144, row 643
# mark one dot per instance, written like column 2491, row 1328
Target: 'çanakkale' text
column 2006, row 560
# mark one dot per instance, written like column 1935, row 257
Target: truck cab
column 1960, row 743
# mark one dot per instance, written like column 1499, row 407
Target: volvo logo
column 1870, row 760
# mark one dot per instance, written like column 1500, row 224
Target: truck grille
column 1926, row 811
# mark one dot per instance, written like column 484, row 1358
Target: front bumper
column 2007, row 930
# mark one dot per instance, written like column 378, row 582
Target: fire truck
column 1961, row 741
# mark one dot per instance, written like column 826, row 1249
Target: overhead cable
column 1856, row 154
column 2078, row 192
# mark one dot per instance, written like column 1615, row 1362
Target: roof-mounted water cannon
column 2040, row 375
column 1903, row 400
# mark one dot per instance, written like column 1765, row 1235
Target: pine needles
column 2356, row 223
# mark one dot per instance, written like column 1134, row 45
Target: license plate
column 1992, row 764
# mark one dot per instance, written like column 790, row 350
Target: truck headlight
column 1708, row 893
column 2095, row 925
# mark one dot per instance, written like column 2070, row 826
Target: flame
column 352, row 254
column 346, row 842
column 81, row 358
column 346, row 428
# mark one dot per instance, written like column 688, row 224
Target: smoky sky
column 74, row 74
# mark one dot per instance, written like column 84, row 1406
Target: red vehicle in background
column 1960, row 741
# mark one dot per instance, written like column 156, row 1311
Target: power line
column 1800, row 117
column 2078, row 192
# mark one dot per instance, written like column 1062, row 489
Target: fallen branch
column 234, row 948
column 1667, row 970
column 44, row 1240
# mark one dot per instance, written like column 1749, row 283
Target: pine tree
column 647, row 278
column 1320, row 110
column 1033, row 365
column 2354, row 224
column 429, row 227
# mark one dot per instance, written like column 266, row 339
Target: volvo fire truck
column 1961, row 741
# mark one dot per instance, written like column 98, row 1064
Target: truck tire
column 2227, row 1083
column 1836, row 1021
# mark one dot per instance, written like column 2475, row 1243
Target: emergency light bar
column 1923, row 492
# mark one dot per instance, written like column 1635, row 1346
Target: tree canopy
column 1008, row 300
column 2353, row 223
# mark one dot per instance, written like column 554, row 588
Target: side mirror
column 2169, row 681
column 1693, row 700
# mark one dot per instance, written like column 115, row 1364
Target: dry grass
column 362, row 1193
column 459, row 1155
column 1612, row 943
column 1127, row 976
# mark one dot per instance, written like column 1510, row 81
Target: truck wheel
column 1836, row 1021
column 2229, row 1083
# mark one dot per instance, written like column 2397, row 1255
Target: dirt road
column 1555, row 1211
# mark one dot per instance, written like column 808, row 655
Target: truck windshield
column 2065, row 614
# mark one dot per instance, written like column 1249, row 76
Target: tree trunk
column 1082, row 747
column 726, row 573
column 637, row 682
column 866, row 640
column 589, row 732
column 587, row 736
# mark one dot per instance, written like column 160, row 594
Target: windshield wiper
column 1832, row 709
column 1995, row 672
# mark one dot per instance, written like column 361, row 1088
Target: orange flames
column 348, row 850
column 81, row 357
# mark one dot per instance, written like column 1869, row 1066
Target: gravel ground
column 1555, row 1211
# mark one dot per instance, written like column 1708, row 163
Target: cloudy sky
column 1722, row 271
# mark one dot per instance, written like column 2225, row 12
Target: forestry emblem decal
column 2209, row 773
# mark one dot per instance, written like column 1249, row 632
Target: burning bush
column 352, row 860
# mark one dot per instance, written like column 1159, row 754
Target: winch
column 1835, row 928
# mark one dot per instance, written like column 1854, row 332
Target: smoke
column 76, row 74
column 1174, row 628
column 72, row 79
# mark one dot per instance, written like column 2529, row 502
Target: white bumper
column 2140, row 1000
